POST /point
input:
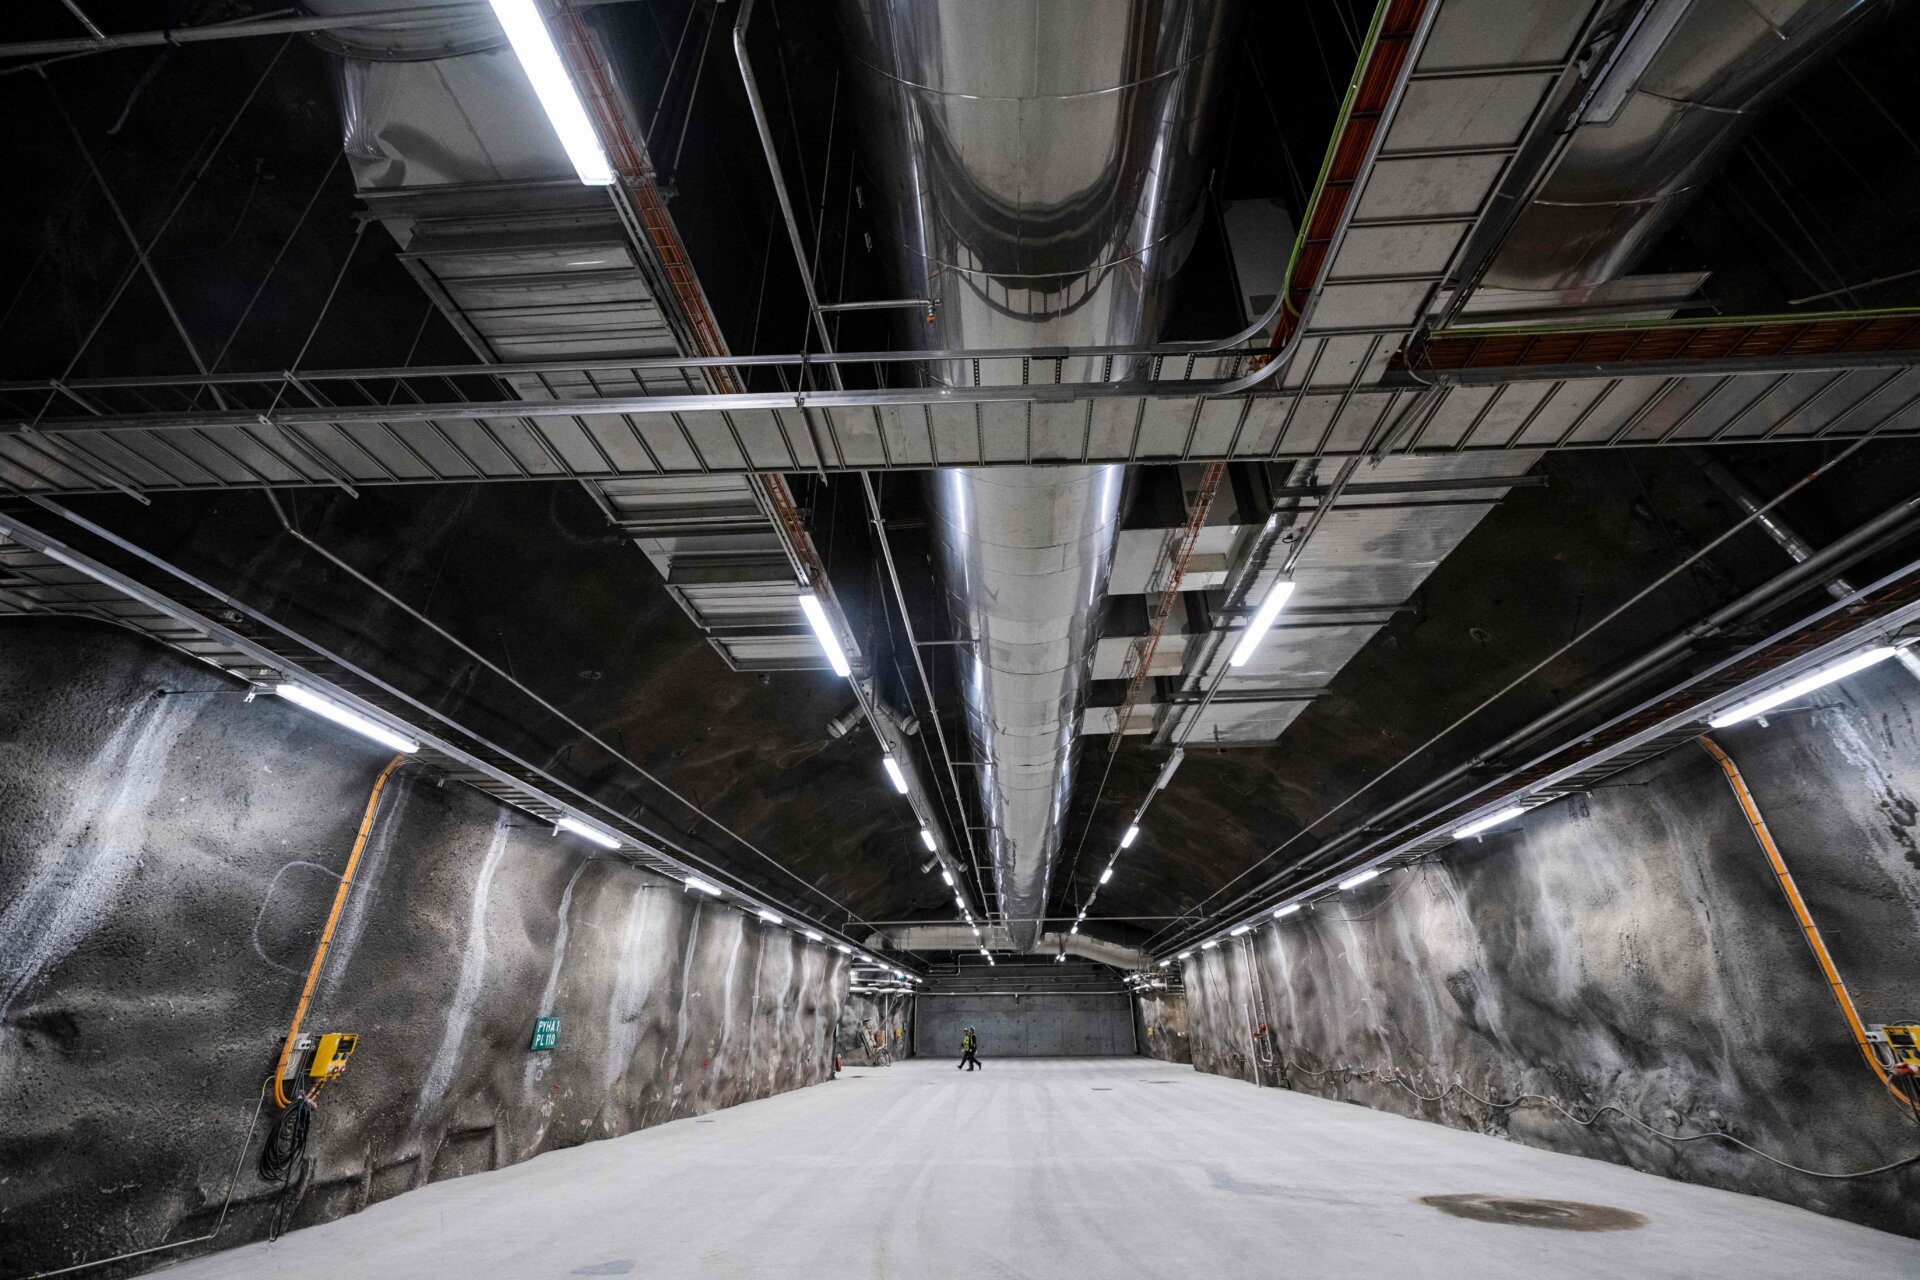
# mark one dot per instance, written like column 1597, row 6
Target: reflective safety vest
column 969, row 1043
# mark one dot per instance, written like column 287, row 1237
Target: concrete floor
column 1052, row 1168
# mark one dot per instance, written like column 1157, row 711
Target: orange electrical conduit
column 326, row 935
column 1808, row 928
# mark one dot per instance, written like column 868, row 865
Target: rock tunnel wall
column 864, row 1016
column 1160, row 1025
column 1631, row 947
column 168, row 856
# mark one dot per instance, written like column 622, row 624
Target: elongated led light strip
column 1262, row 622
column 1489, row 822
column 586, row 832
column 1106, row 875
column 1818, row 679
column 1210, row 944
column 1806, row 684
column 707, row 887
column 823, row 631
column 533, row 45
column 1133, row 833
column 926, row 838
column 328, row 709
column 893, row 772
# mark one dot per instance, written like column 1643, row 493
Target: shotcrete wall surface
column 1631, row 948
column 863, row 1015
column 167, row 860
column 1160, row 1025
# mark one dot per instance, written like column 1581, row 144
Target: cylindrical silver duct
column 1042, row 166
column 1680, row 92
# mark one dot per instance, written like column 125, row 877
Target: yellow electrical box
column 331, row 1054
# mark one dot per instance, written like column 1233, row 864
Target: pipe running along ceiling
column 1043, row 166
column 1041, row 169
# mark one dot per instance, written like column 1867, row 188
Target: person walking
column 969, row 1047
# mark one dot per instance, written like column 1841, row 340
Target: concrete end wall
column 1629, row 948
column 168, row 856
column 1049, row 1025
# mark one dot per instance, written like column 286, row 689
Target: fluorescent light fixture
column 770, row 917
column 586, row 832
column 1245, row 928
column 703, row 886
column 1184, row 954
column 1106, row 875
column 1280, row 913
column 947, row 876
column 1061, row 958
column 1076, row 927
column 926, row 838
column 1166, row 962
column 986, row 953
column 898, row 974
column 892, row 767
column 1082, row 916
column 1166, row 770
column 533, row 43
column 1806, row 684
column 814, row 937
column 1262, row 621
column 823, row 631
column 959, row 902
column 1210, row 944
column 1360, row 878
column 328, row 709
column 1487, row 823
column 1133, row 833
column 845, row 950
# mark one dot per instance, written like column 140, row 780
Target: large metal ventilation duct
column 1042, row 163
column 1677, row 93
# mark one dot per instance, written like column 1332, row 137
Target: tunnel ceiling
column 270, row 239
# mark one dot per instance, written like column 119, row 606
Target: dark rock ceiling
column 530, row 575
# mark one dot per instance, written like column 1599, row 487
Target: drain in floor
column 1555, row 1215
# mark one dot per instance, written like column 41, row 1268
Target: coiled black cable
column 283, row 1157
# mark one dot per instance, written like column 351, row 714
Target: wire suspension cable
column 566, row 719
column 1702, row 553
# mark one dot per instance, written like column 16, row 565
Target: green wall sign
column 546, row 1033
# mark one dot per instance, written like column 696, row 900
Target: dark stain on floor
column 1555, row 1215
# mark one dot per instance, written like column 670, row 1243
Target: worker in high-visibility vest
column 969, row 1046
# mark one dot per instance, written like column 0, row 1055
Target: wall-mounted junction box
column 331, row 1054
column 301, row 1044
